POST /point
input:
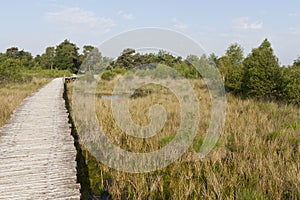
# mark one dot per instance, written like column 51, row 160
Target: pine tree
column 261, row 72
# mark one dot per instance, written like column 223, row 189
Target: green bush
column 11, row 71
column 108, row 75
column 119, row 71
column 290, row 85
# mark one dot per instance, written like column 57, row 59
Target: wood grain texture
column 37, row 152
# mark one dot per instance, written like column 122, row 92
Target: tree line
column 257, row 75
column 16, row 65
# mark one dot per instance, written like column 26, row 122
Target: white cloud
column 77, row 16
column 179, row 25
column 295, row 14
column 244, row 23
column 127, row 16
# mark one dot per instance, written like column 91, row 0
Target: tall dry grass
column 11, row 95
column 256, row 157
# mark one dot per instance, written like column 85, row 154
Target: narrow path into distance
column 37, row 152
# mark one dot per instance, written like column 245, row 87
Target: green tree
column 224, row 66
column 192, row 59
column 231, row 68
column 167, row 58
column 24, row 56
column 93, row 60
column 38, row 59
column 66, row 57
column 13, row 53
column 296, row 62
column 10, row 71
column 125, row 60
column 26, row 59
column 188, row 67
column 47, row 58
column 290, row 83
column 213, row 60
column 2, row 57
column 261, row 72
column 87, row 49
column 236, row 54
column 204, row 62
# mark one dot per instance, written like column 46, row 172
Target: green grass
column 257, row 156
column 12, row 94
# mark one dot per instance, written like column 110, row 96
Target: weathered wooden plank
column 37, row 153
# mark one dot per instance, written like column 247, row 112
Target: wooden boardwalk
column 37, row 152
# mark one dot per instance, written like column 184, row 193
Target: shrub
column 10, row 71
column 108, row 75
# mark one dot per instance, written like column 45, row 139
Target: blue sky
column 34, row 24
